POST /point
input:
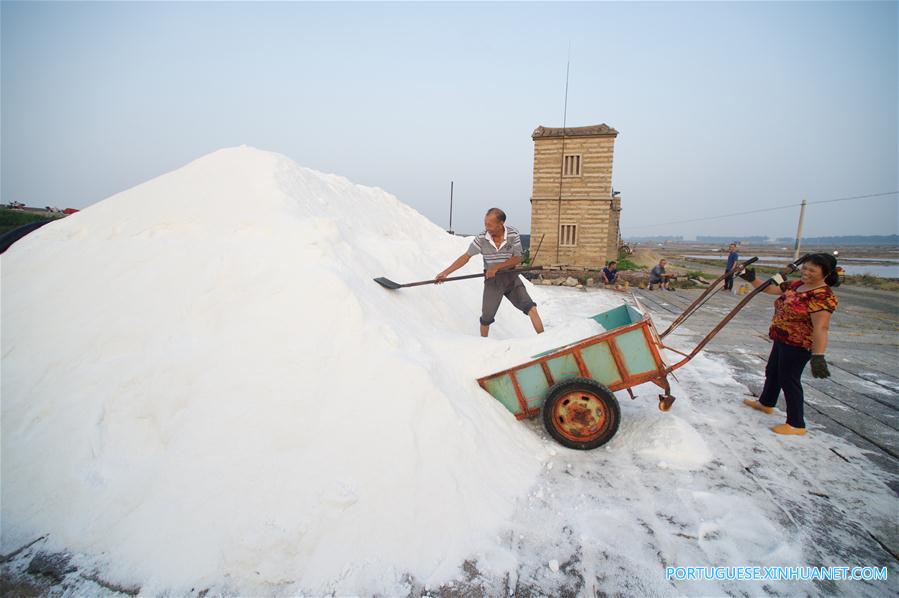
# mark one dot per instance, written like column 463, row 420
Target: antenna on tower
column 562, row 159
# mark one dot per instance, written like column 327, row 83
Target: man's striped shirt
column 493, row 255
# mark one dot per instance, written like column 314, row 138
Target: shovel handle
column 447, row 279
column 481, row 275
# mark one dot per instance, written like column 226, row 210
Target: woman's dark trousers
column 783, row 372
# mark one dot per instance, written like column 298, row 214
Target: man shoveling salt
column 500, row 245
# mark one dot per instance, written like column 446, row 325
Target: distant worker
column 732, row 258
column 658, row 276
column 610, row 274
column 799, row 328
column 500, row 245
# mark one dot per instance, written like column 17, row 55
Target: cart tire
column 581, row 413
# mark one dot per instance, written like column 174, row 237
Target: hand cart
column 572, row 386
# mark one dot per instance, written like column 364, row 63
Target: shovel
column 389, row 284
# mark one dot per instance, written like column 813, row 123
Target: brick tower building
column 572, row 202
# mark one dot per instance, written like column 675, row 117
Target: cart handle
column 787, row 270
column 705, row 296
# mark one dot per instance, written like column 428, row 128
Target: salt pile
column 203, row 387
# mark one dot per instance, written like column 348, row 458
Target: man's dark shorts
column 507, row 285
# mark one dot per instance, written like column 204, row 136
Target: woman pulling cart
column 799, row 331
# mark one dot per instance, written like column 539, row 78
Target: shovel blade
column 388, row 284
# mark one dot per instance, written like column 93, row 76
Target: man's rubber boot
column 758, row 406
column 788, row 430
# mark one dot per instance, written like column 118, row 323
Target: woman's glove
column 819, row 367
column 748, row 274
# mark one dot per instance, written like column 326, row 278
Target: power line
column 856, row 197
column 716, row 217
column 773, row 209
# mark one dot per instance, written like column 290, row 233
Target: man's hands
column 442, row 276
column 819, row 367
column 460, row 261
column 490, row 273
column 748, row 274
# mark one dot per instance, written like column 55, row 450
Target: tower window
column 572, row 165
column 568, row 235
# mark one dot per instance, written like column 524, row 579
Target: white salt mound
column 203, row 387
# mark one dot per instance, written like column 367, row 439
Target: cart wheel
column 581, row 413
column 665, row 402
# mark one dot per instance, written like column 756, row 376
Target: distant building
column 572, row 202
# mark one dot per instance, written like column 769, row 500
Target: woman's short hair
column 828, row 265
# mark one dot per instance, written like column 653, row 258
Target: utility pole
column 799, row 231
column 450, row 231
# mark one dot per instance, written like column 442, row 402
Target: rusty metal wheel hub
column 580, row 416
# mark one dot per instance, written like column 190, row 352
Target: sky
column 721, row 107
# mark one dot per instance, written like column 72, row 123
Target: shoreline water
column 864, row 265
column 889, row 269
